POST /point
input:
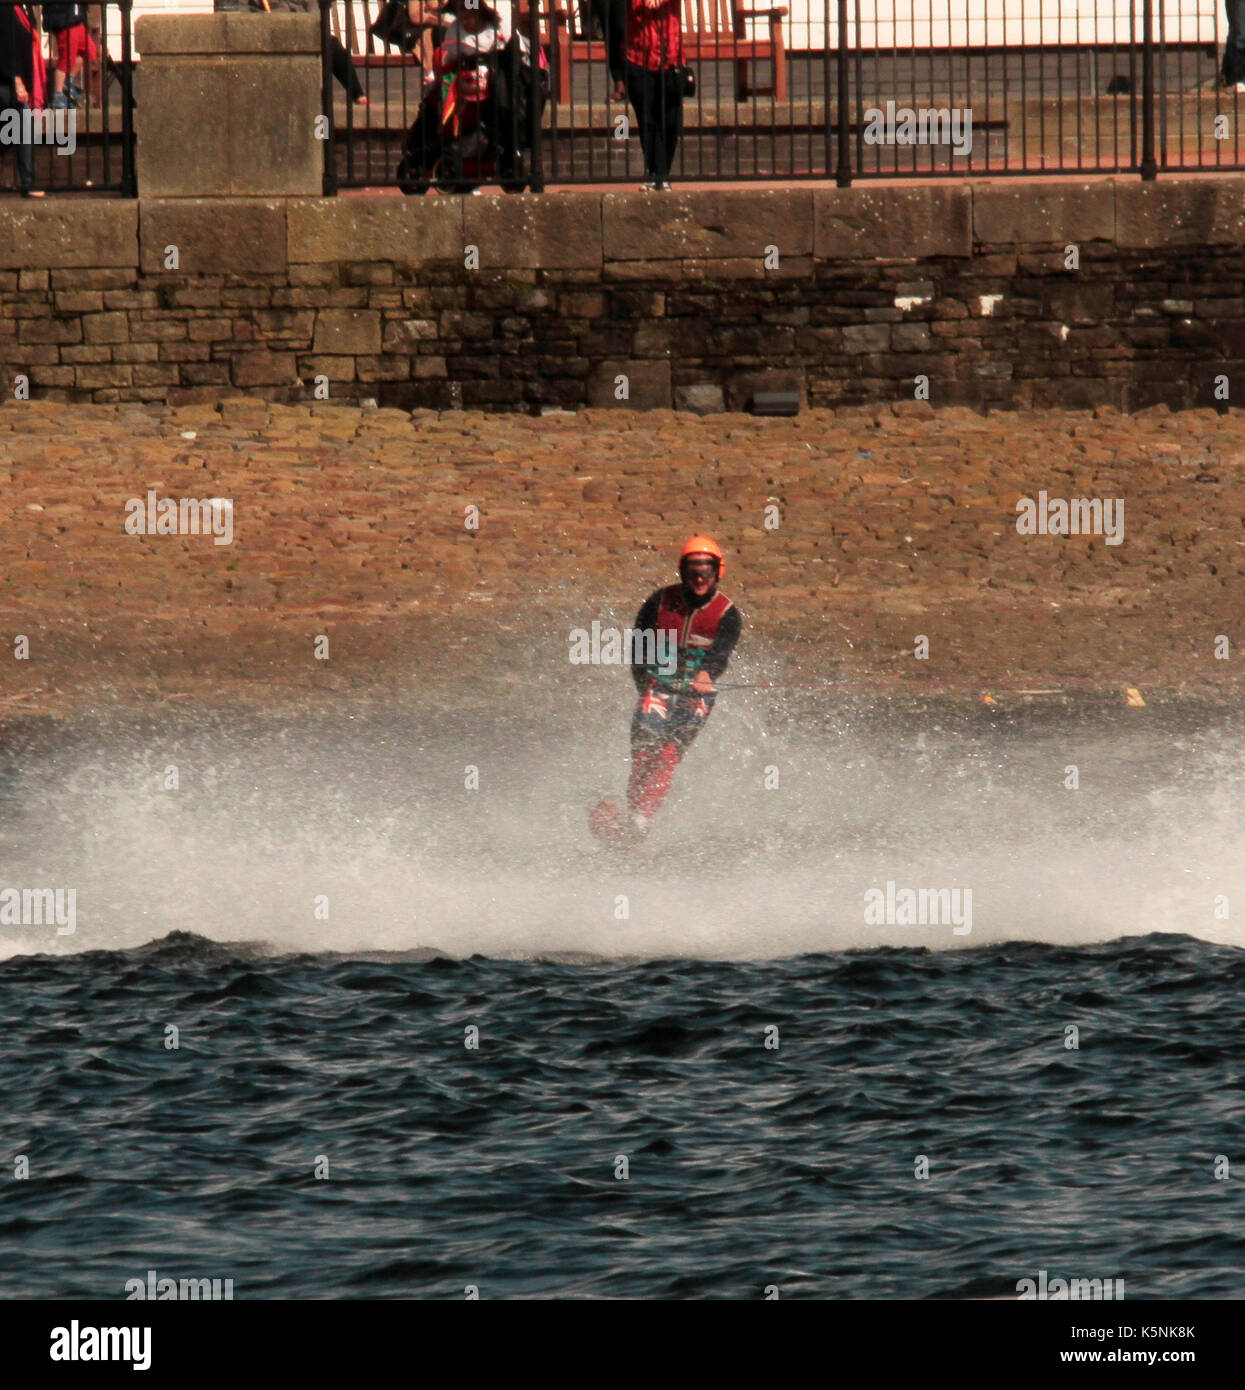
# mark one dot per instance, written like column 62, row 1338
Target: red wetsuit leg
column 643, row 764
column 650, row 780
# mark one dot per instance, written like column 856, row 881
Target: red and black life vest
column 693, row 629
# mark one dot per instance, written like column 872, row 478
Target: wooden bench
column 713, row 30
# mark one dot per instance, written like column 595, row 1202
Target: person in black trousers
column 1234, row 48
column 654, row 55
column 17, row 75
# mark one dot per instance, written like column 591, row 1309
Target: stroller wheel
column 411, row 181
column 447, row 178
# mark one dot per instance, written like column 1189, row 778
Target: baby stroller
column 475, row 121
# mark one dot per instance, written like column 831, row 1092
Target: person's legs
column 615, row 39
column 669, row 127
column 26, row 167
column 663, row 728
column 1234, row 48
column 61, row 71
column 426, row 15
column 652, row 770
column 343, row 69
column 640, row 88
column 24, row 154
column 95, row 65
column 649, row 735
column 80, row 45
column 611, row 15
column 423, row 145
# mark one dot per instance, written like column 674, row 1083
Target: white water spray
column 360, row 835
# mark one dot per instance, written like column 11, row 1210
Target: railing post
column 537, row 180
column 1149, row 166
column 326, row 104
column 129, row 184
column 843, row 172
column 825, row 84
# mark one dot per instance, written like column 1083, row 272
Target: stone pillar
column 227, row 106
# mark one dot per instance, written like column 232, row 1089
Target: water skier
column 702, row 625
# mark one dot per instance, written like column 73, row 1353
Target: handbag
column 680, row 82
column 393, row 26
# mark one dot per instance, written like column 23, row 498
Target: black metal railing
column 830, row 89
column 66, row 107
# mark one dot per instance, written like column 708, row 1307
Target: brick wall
column 695, row 299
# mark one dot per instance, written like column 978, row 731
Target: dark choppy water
column 322, row 906
column 748, row 1166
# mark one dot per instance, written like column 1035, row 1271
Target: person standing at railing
column 1234, row 48
column 473, row 118
column 19, row 83
column 654, row 61
column 74, row 48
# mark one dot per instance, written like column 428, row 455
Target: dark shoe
column 511, row 173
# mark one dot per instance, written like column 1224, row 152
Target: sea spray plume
column 807, row 812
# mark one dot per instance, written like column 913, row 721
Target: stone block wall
column 1002, row 295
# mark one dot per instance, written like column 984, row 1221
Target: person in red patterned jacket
column 654, row 47
column 703, row 627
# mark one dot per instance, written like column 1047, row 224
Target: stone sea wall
column 1067, row 294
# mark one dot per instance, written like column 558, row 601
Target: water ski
column 605, row 820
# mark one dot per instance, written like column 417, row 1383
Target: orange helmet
column 702, row 545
